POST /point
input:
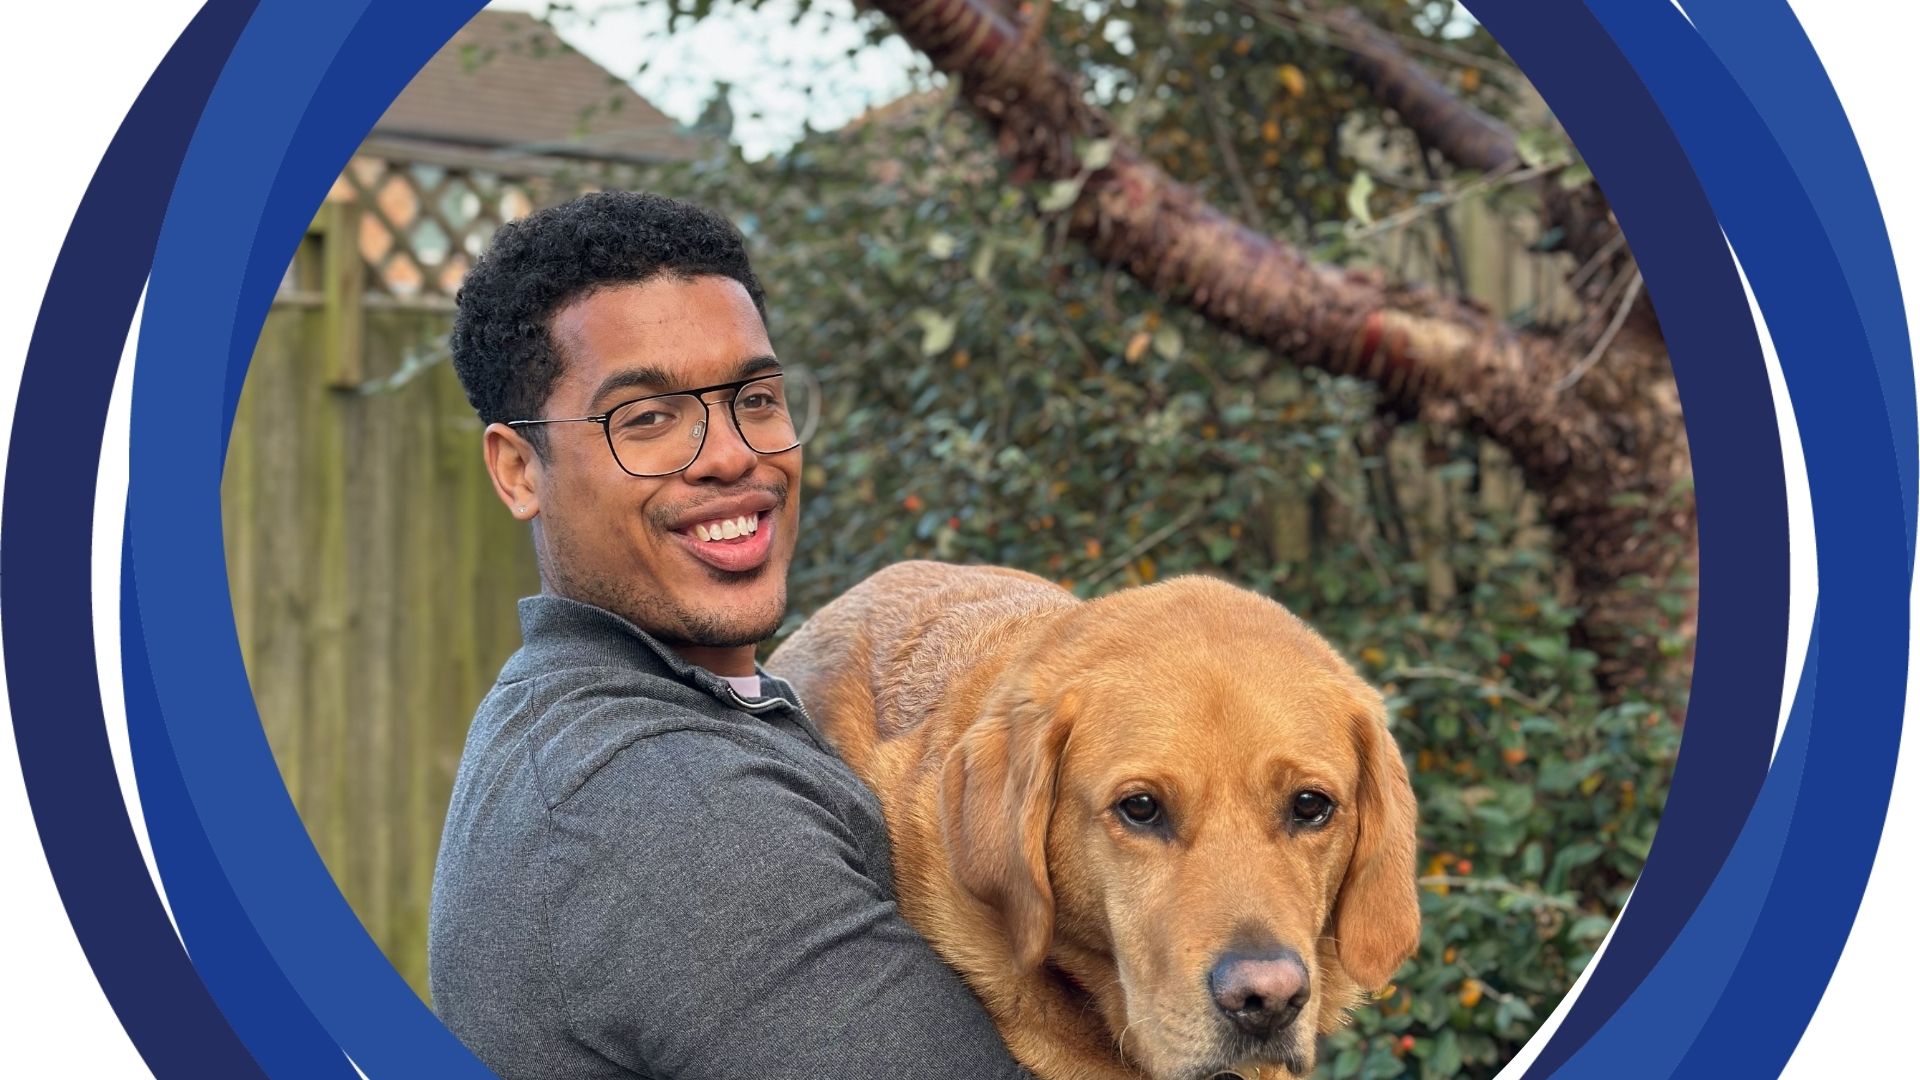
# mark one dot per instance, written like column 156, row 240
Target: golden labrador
column 1161, row 833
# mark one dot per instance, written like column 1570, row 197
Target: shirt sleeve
column 712, row 918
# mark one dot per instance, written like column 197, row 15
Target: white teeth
column 729, row 528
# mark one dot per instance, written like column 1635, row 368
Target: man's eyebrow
column 756, row 365
column 646, row 377
column 652, row 380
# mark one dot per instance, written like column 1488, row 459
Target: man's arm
column 711, row 918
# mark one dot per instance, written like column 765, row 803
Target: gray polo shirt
column 643, row 874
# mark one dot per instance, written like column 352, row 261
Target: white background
column 72, row 73
column 76, row 70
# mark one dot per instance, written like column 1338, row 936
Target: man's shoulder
column 571, row 724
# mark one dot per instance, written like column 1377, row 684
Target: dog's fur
column 999, row 719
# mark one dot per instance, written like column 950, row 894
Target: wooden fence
column 374, row 576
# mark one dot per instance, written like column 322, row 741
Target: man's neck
column 734, row 661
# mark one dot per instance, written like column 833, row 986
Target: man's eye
column 755, row 401
column 646, row 418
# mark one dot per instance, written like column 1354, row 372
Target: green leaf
column 1576, row 854
column 1333, row 589
column 1167, row 341
column 936, row 330
column 1381, row 1065
column 1550, row 649
column 1444, row 1062
column 1220, row 547
column 1357, row 195
column 1532, row 860
column 1061, row 195
column 1590, row 927
column 982, row 267
column 1539, row 146
column 1511, row 1009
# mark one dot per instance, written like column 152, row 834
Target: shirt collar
column 547, row 619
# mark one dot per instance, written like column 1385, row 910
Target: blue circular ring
column 1715, row 134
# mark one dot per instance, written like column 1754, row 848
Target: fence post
column 343, row 287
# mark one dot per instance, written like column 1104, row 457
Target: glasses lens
column 776, row 413
column 662, row 435
column 658, row 435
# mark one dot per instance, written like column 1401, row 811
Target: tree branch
column 1606, row 338
column 1468, row 137
column 1431, row 355
column 1504, row 177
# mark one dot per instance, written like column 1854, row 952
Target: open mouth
column 721, row 530
column 737, row 543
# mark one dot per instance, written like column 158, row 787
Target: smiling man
column 653, row 864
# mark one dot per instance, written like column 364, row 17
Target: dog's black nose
column 1261, row 992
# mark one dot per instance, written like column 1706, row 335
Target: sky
column 783, row 74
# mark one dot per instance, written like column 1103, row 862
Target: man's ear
column 996, row 803
column 516, row 469
column 1378, row 911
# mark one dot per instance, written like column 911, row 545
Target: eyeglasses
column 663, row 434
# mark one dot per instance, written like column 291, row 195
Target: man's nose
column 724, row 455
column 1260, row 992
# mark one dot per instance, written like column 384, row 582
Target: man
column 653, row 865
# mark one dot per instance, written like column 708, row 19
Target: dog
column 1165, row 833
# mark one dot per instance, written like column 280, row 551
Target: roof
column 908, row 110
column 506, row 83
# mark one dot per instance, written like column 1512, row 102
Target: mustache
column 666, row 516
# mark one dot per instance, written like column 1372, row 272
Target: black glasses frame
column 606, row 428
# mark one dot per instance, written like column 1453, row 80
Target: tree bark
column 1601, row 450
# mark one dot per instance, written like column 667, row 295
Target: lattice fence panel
column 425, row 224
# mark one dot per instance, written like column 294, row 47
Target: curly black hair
column 502, row 346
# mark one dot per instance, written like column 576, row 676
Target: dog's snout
column 1260, row 992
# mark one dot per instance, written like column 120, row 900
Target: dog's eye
column 1312, row 808
column 1140, row 809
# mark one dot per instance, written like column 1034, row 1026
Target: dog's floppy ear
column 1377, row 917
column 996, row 802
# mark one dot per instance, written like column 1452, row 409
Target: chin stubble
column 676, row 624
column 658, row 615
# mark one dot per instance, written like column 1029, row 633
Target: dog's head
column 1186, row 804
